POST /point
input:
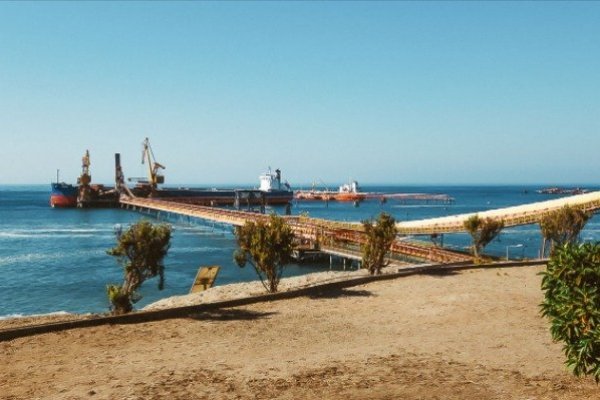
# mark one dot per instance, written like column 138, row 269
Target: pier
column 343, row 239
column 335, row 238
column 525, row 214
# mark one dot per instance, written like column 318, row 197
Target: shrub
column 564, row 225
column 482, row 231
column 267, row 246
column 140, row 250
column 379, row 239
column 571, row 285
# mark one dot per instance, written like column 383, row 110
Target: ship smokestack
column 278, row 177
column 118, row 173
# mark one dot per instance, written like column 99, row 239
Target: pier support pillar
column 236, row 200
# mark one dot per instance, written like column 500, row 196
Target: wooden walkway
column 325, row 234
column 321, row 234
column 512, row 216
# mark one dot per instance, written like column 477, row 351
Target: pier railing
column 318, row 229
column 323, row 234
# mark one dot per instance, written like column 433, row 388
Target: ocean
column 54, row 260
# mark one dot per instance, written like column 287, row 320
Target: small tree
column 379, row 239
column 564, row 225
column 482, row 231
column 571, row 286
column 140, row 250
column 267, row 246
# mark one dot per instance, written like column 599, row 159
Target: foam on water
column 51, row 314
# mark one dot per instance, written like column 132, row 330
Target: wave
column 53, row 232
column 51, row 314
column 36, row 257
column 448, row 206
column 200, row 249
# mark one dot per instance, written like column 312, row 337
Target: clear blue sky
column 390, row 92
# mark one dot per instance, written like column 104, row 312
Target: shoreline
column 230, row 291
column 252, row 292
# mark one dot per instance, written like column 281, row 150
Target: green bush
column 380, row 237
column 564, row 225
column 482, row 231
column 140, row 250
column 571, row 284
column 267, row 246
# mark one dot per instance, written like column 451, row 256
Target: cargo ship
column 272, row 191
column 62, row 194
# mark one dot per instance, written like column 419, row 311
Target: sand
column 469, row 335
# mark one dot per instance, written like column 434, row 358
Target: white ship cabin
column 270, row 181
column 351, row 187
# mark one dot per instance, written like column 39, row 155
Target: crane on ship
column 154, row 167
column 84, row 180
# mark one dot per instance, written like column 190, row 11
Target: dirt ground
column 469, row 335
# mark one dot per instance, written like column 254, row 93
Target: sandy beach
column 467, row 335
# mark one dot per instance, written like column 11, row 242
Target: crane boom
column 154, row 177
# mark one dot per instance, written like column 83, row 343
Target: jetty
column 525, row 214
column 343, row 239
column 340, row 239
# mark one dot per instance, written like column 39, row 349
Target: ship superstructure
column 272, row 191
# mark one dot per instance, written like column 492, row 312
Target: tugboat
column 350, row 192
column 63, row 194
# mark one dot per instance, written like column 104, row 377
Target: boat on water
column 347, row 192
column 350, row 192
column 275, row 191
column 272, row 191
column 62, row 194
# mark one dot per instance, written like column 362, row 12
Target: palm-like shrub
column 482, row 231
column 140, row 250
column 380, row 236
column 564, row 225
column 571, row 285
column 267, row 246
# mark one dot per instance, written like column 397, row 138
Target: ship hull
column 222, row 197
column 279, row 197
column 63, row 195
column 349, row 197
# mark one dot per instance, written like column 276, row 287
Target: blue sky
column 390, row 92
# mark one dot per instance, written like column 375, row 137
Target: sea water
column 55, row 260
